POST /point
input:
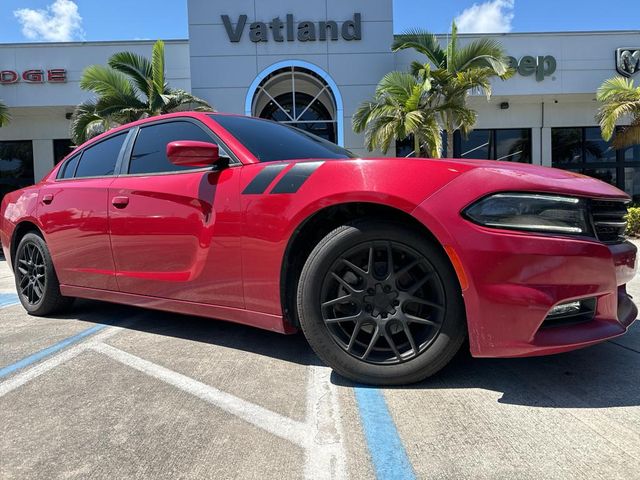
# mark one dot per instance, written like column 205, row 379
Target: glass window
column 312, row 115
column 61, row 148
column 510, row 145
column 566, row 146
column 406, row 149
column 68, row 169
column 582, row 149
column 513, row 145
column 595, row 148
column 631, row 154
column 506, row 145
column 100, row 160
column 16, row 166
column 477, row 145
column 269, row 141
column 150, row 150
column 632, row 182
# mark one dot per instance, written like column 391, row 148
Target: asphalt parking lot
column 111, row 391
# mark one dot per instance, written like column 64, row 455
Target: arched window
column 300, row 96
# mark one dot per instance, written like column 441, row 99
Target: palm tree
column 620, row 99
column 400, row 109
column 457, row 72
column 131, row 87
column 4, row 115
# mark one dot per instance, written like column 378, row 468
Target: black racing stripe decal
column 296, row 177
column 263, row 179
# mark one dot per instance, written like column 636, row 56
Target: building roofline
column 173, row 41
column 556, row 33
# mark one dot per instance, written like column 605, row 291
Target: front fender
column 270, row 219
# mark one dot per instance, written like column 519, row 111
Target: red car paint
column 194, row 243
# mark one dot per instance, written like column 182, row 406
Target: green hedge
column 633, row 222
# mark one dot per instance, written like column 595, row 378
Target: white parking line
column 267, row 420
column 26, row 376
column 325, row 448
column 320, row 435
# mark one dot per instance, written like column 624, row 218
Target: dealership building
column 310, row 64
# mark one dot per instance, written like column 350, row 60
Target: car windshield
column 270, row 141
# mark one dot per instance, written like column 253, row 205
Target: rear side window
column 68, row 169
column 100, row 160
column 150, row 150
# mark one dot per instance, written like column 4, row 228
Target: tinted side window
column 150, row 150
column 67, row 170
column 100, row 160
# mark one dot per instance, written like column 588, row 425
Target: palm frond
column 104, row 81
column 113, row 89
column 136, row 67
column 156, row 95
column 628, row 136
column 485, row 52
column 619, row 98
column 423, row 42
column 400, row 109
column 5, row 116
column 618, row 87
column 178, row 100
column 87, row 123
column 452, row 46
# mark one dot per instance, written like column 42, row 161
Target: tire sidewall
column 50, row 279
column 323, row 257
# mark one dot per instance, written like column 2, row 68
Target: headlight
column 531, row 212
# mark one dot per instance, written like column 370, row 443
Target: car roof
column 144, row 121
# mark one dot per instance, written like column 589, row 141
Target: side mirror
column 189, row 153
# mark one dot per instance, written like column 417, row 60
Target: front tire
column 36, row 280
column 381, row 304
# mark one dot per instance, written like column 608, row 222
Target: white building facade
column 310, row 64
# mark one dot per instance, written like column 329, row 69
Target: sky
column 91, row 20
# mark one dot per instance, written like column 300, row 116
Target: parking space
column 111, row 391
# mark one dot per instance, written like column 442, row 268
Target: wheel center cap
column 381, row 300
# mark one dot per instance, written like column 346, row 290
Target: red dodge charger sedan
column 387, row 265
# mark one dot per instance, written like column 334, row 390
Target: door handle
column 47, row 199
column 120, row 202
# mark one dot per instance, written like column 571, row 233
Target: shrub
column 633, row 222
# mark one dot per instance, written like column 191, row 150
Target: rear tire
column 36, row 280
column 381, row 304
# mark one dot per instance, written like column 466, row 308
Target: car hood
column 495, row 175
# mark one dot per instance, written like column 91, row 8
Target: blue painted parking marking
column 36, row 357
column 8, row 299
column 387, row 452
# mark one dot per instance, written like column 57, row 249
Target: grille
column 609, row 219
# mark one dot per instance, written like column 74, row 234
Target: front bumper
column 513, row 279
column 516, row 280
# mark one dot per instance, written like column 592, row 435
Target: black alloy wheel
column 383, row 302
column 30, row 273
column 36, row 280
column 380, row 303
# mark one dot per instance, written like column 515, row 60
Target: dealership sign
column 54, row 75
column 627, row 61
column 280, row 30
column 540, row 66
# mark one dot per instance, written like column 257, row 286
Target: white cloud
column 59, row 22
column 494, row 16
